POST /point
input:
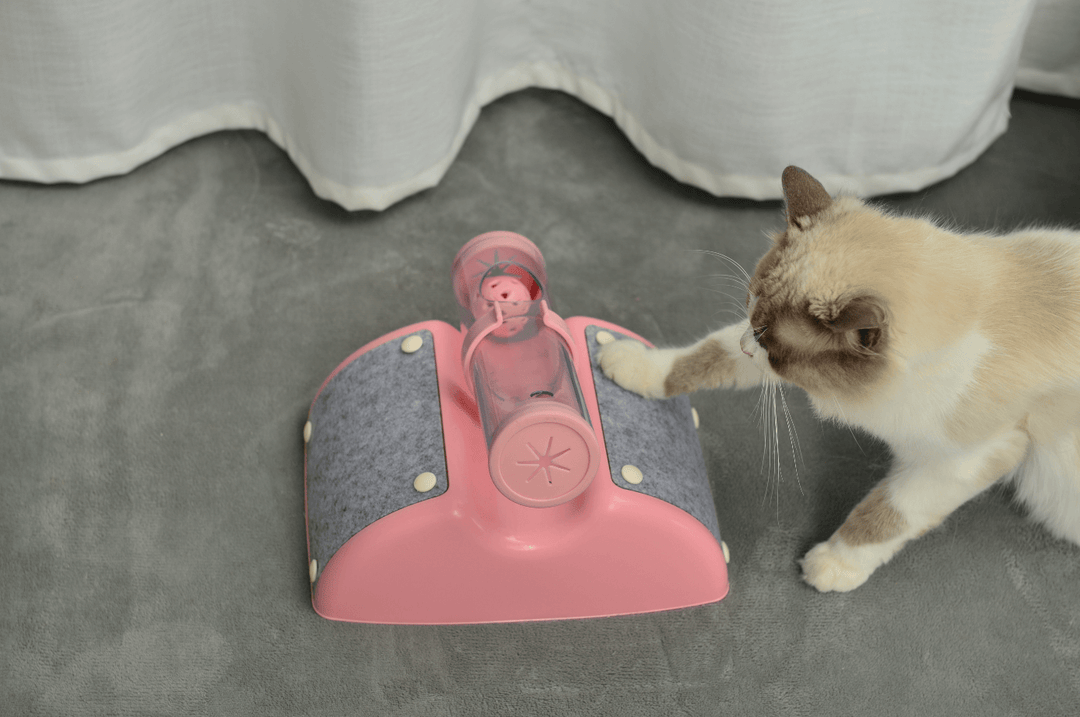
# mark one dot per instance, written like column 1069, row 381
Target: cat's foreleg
column 915, row 497
column 716, row 361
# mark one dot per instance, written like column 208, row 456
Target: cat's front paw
column 834, row 567
column 630, row 364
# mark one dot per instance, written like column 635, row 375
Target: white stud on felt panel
column 604, row 337
column 313, row 570
column 697, row 419
column 307, row 431
column 632, row 474
column 424, row 482
column 412, row 344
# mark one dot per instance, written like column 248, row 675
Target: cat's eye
column 759, row 332
column 868, row 338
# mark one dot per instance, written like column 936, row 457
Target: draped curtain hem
column 540, row 74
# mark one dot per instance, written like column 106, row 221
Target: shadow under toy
column 493, row 474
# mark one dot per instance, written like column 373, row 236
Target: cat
column 960, row 351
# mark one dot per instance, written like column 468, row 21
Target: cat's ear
column 863, row 319
column 804, row 197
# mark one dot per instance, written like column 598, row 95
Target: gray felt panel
column 659, row 438
column 376, row 425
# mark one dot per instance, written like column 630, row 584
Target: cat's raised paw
column 827, row 568
column 629, row 363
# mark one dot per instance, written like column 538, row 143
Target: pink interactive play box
column 491, row 473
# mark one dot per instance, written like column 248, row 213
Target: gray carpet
column 163, row 333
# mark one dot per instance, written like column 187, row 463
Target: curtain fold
column 1050, row 60
column 372, row 100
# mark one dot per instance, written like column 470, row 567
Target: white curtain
column 372, row 99
column 1050, row 60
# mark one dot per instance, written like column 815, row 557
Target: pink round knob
column 546, row 454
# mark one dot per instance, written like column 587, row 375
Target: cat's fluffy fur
column 961, row 351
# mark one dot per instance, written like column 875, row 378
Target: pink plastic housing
column 473, row 556
column 534, row 528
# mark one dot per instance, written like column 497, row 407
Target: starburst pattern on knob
column 545, row 461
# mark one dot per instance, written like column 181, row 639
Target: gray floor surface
column 163, row 333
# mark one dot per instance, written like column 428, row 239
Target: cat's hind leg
column 1048, row 484
column 916, row 496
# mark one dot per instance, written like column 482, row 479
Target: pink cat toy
column 492, row 474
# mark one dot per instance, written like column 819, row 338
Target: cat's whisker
column 725, row 294
column 729, row 312
column 729, row 260
column 771, row 401
column 766, row 448
column 793, row 438
column 737, row 314
column 771, row 464
column 776, row 449
column 847, row 424
column 741, row 277
column 762, row 409
column 741, row 281
column 729, row 284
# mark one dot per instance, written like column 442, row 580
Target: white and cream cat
column 961, row 351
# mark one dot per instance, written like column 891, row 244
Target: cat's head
column 828, row 301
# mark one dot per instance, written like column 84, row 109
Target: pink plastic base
column 472, row 555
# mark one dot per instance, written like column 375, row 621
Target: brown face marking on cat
column 765, row 266
column 874, row 520
column 854, row 314
column 707, row 367
column 839, row 355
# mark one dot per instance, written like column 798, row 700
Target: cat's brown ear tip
column 794, row 177
column 804, row 195
column 791, row 171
